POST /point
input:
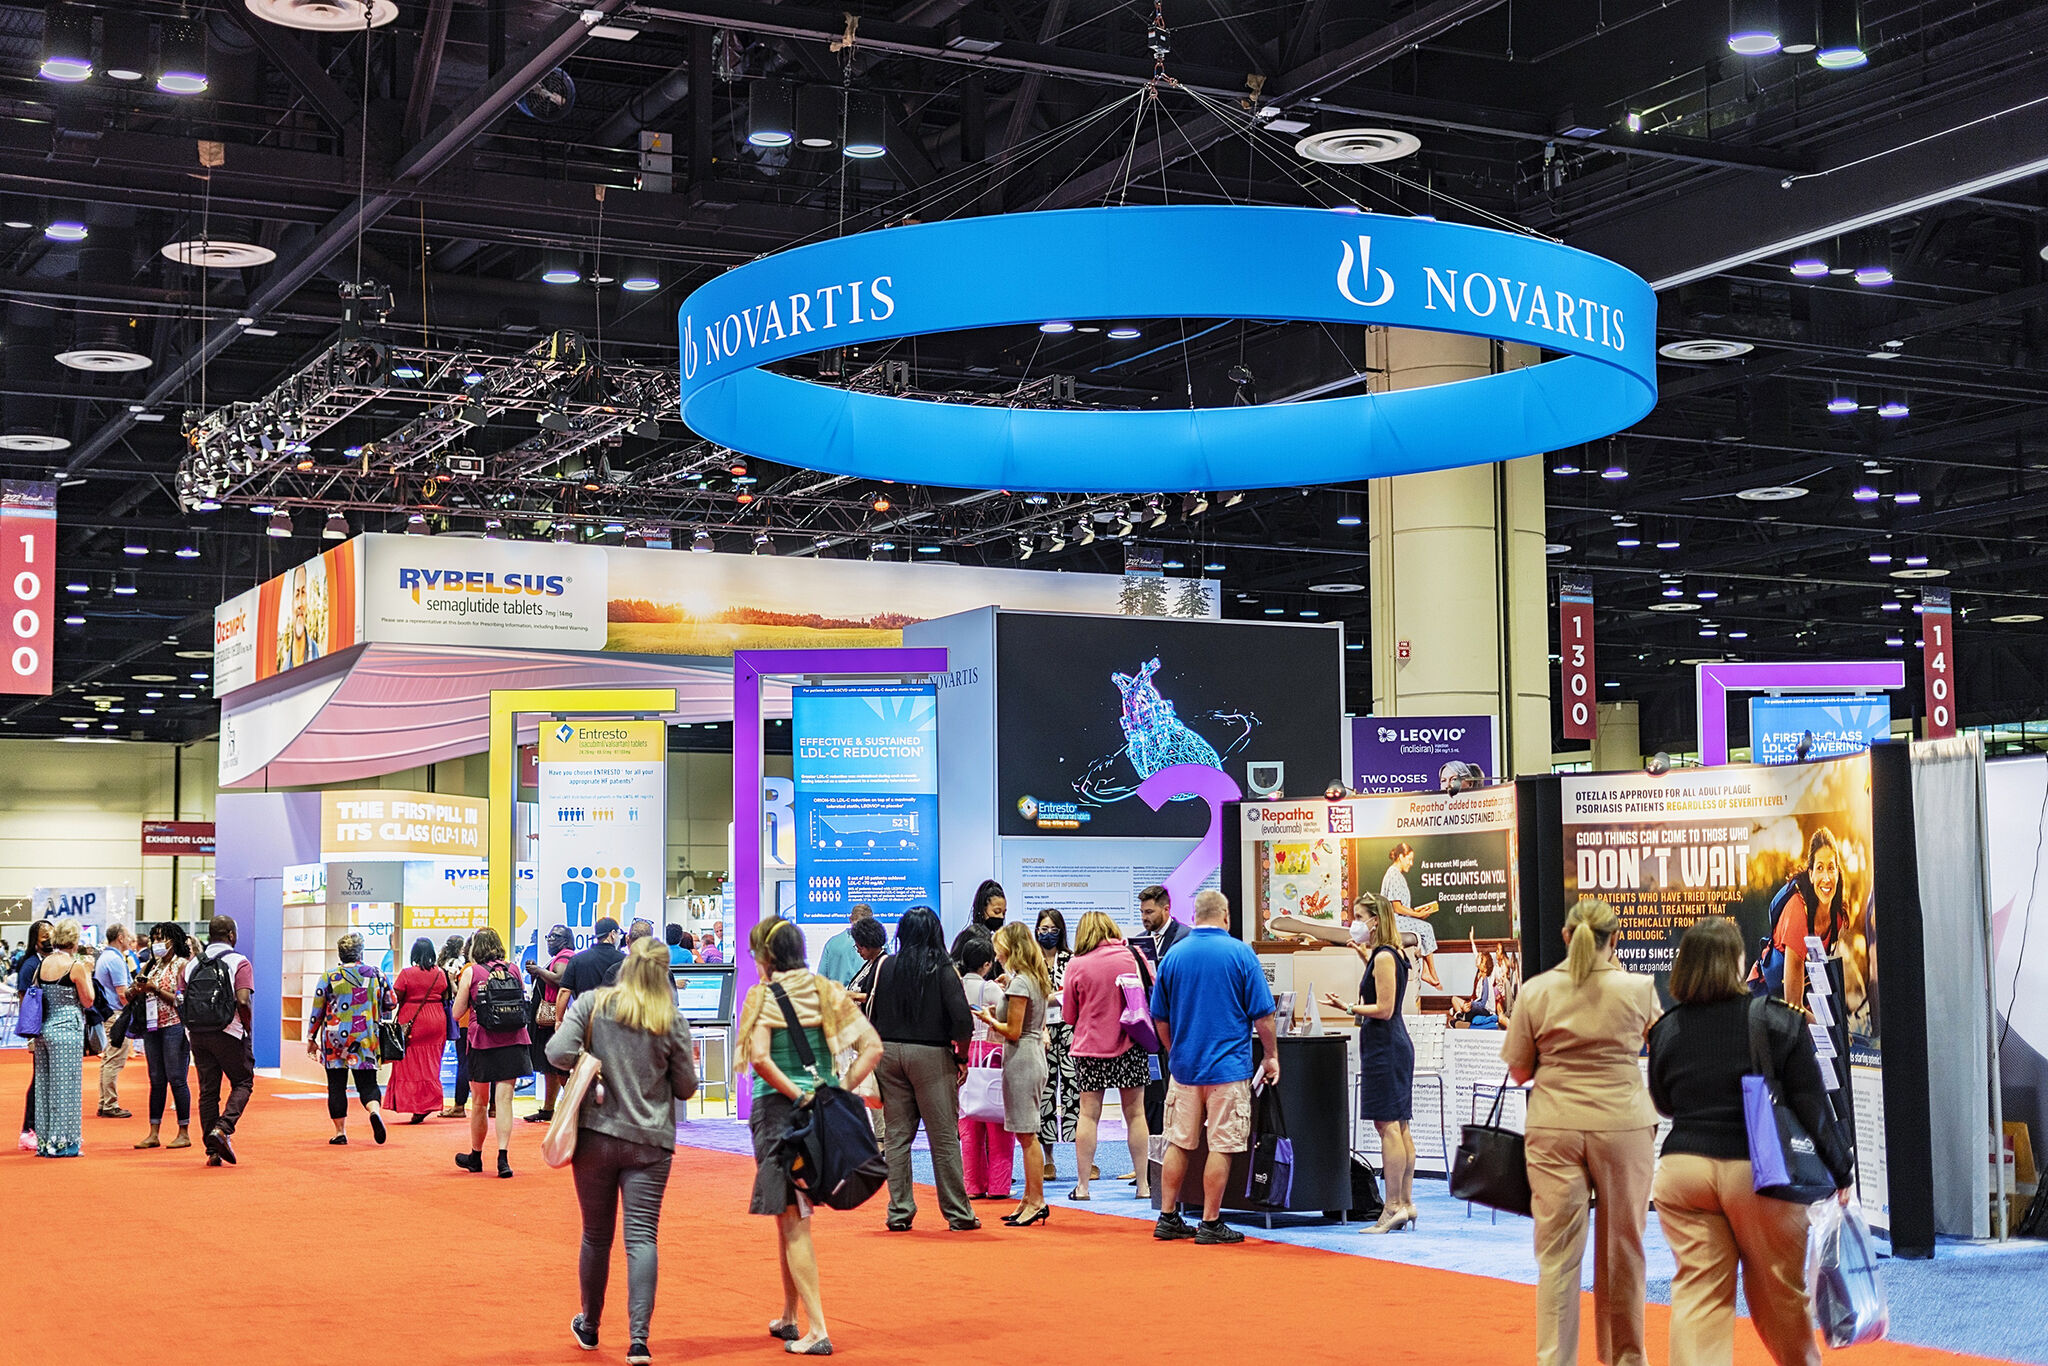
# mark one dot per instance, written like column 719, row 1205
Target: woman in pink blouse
column 1105, row 1058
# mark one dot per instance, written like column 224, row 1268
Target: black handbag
column 129, row 1021
column 395, row 1036
column 1492, row 1164
column 830, row 1147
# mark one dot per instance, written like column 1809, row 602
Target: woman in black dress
column 1386, row 1057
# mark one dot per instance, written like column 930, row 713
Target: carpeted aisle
column 306, row 1252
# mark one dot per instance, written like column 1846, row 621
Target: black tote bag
column 831, row 1150
column 1492, row 1164
column 1269, row 1179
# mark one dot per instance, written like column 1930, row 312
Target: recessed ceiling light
column 2018, row 618
column 1334, row 587
column 1772, row 493
column 219, row 253
column 1705, row 348
column 1881, row 355
column 1557, row 548
column 1357, row 146
column 1925, row 572
column 1674, row 607
column 195, row 654
column 154, row 678
column 1275, row 611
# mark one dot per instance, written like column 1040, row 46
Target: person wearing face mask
column 165, row 1046
column 1059, row 1105
column 25, row 975
column 990, row 909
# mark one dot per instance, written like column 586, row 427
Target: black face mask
column 1048, row 940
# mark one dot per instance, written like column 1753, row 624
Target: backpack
column 209, row 1002
column 1767, row 972
column 500, row 1000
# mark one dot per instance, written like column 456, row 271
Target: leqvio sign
column 162, row 839
column 28, row 591
column 1408, row 753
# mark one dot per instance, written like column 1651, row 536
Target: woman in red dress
column 415, row 1087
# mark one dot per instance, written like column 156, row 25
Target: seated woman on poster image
column 1818, row 906
column 1412, row 919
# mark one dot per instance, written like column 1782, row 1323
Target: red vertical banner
column 1575, row 651
column 28, row 585
column 1938, row 661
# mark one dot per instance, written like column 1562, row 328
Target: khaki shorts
column 1224, row 1110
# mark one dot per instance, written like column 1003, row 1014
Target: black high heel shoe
column 1044, row 1215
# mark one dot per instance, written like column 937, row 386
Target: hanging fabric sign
column 1575, row 650
column 1938, row 661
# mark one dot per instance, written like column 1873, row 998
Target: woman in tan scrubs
column 1577, row 1032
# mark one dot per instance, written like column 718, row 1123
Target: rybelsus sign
column 1203, row 261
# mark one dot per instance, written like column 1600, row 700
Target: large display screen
column 1784, row 851
column 866, row 761
column 1791, row 730
column 1088, row 707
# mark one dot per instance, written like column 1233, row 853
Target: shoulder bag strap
column 1500, row 1098
column 799, row 1037
column 1760, row 1045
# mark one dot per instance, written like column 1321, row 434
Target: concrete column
column 1619, row 748
column 1458, row 571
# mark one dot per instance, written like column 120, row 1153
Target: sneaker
column 585, row 1335
column 1172, row 1226
column 1216, row 1231
column 638, row 1355
column 213, row 1162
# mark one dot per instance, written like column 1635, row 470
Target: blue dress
column 1386, row 1055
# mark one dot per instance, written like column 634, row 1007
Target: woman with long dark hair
column 165, row 1046
column 423, row 991
column 38, row 944
column 454, row 959
column 1819, row 906
column 984, row 917
column 920, row 1010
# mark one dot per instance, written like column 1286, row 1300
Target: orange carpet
column 305, row 1252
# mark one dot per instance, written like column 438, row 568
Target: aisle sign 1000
column 28, row 588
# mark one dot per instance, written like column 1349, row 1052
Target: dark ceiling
column 436, row 166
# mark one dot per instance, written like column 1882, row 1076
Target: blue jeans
column 610, row 1172
column 169, row 1054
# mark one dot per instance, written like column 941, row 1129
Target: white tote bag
column 981, row 1095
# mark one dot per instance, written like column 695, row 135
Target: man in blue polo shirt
column 1210, row 996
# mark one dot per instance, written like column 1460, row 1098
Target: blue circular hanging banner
column 1270, row 264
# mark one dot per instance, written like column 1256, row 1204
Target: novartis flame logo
column 1363, row 260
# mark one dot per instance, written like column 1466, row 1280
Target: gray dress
column 1024, row 1070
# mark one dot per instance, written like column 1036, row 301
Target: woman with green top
column 832, row 1024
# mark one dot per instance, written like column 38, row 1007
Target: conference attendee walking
column 1105, row 1057
column 1705, row 1191
column 164, row 1046
column 214, row 1004
column 1059, row 1107
column 341, row 1032
column 920, row 1011
column 985, row 915
column 490, row 1001
column 987, row 1149
column 422, row 989
column 1386, row 1058
column 1211, row 995
column 550, row 1003
column 1577, row 1034
column 595, row 966
column 833, row 1026
column 112, row 977
column 838, row 960
column 454, row 958
column 625, row 1146
column 36, row 945
column 66, row 982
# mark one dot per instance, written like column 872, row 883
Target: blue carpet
column 1983, row 1298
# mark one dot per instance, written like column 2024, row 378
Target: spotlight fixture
column 1566, row 465
column 1629, row 542
column 135, row 545
column 817, row 116
column 1347, row 514
column 66, row 228
column 1753, row 28
column 564, row 532
column 771, row 113
column 1214, row 566
column 700, row 542
column 640, row 278
column 560, row 269
column 124, row 45
column 1025, row 547
column 1880, row 557
column 1809, row 265
column 1866, row 493
column 1906, row 497
column 336, row 528
column 1194, row 505
column 1874, row 276
column 556, row 418
column 764, row 544
column 880, row 503
column 1894, row 408
column 1841, row 36
column 1668, row 543
column 280, row 525
column 1125, row 332
column 67, row 44
column 416, row 524
column 1055, row 329
column 186, row 550
column 183, row 68
column 1842, row 403
column 1616, row 464
column 867, row 125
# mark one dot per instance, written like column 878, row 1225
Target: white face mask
column 159, row 949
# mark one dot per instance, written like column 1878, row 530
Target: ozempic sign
column 1314, row 265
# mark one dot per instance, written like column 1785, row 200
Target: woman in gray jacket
column 626, row 1141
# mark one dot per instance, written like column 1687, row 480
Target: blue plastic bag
column 1849, row 1304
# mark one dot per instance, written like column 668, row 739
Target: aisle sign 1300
column 1575, row 650
column 28, row 587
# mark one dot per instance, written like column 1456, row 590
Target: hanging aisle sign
column 28, row 585
column 601, row 824
column 1938, row 661
column 1315, row 265
column 867, row 799
column 1575, row 650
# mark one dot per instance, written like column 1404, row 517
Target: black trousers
column 217, row 1054
column 337, row 1089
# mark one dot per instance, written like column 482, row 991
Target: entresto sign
column 1213, row 261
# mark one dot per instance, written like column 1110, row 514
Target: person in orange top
column 1818, row 907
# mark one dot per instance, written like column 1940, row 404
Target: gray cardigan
column 644, row 1074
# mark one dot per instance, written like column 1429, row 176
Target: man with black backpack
column 214, row 1007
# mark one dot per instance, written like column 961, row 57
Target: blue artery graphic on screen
column 1788, row 730
column 867, row 799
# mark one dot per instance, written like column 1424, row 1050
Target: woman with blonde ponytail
column 1576, row 1036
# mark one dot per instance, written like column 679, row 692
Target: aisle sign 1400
column 28, row 588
